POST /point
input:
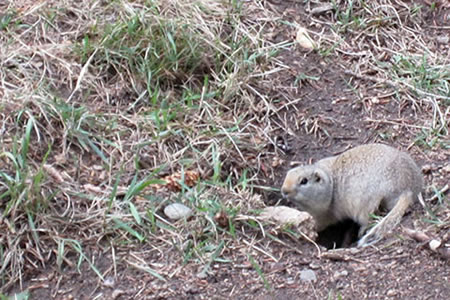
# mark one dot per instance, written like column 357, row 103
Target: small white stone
column 442, row 39
column 434, row 244
column 176, row 211
column 338, row 274
column 391, row 293
column 308, row 275
column 375, row 100
column 109, row 281
column 314, row 266
column 303, row 38
column 290, row 280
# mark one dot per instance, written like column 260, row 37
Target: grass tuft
column 116, row 97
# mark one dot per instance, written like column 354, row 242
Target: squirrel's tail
column 388, row 222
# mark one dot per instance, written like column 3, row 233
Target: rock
column 391, row 293
column 314, row 266
column 308, row 275
column 290, row 280
column 285, row 215
column 109, row 281
column 434, row 244
column 442, row 39
column 176, row 211
column 338, row 274
column 303, row 39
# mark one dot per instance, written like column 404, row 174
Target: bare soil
column 338, row 118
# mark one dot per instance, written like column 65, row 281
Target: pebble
column 308, row 275
column 391, row 293
column 338, row 274
column 314, row 266
column 442, row 39
column 290, row 280
column 109, row 281
column 303, row 39
column 426, row 169
column 176, row 211
column 434, row 244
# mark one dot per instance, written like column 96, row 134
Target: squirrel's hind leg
column 388, row 222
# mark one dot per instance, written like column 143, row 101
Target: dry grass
column 385, row 43
column 116, row 96
column 102, row 102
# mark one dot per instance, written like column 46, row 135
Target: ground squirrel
column 354, row 185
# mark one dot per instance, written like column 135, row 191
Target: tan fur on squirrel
column 354, row 185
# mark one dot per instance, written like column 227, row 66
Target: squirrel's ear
column 317, row 176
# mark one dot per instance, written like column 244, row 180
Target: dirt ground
column 330, row 118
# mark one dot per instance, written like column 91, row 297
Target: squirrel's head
column 309, row 188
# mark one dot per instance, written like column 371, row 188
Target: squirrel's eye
column 304, row 181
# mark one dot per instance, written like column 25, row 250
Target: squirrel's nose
column 288, row 186
column 285, row 191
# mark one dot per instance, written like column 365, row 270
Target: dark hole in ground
column 339, row 235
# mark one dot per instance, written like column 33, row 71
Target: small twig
column 337, row 255
column 81, row 76
column 260, row 250
column 395, row 123
column 394, row 84
column 441, row 192
column 434, row 245
column 319, row 253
